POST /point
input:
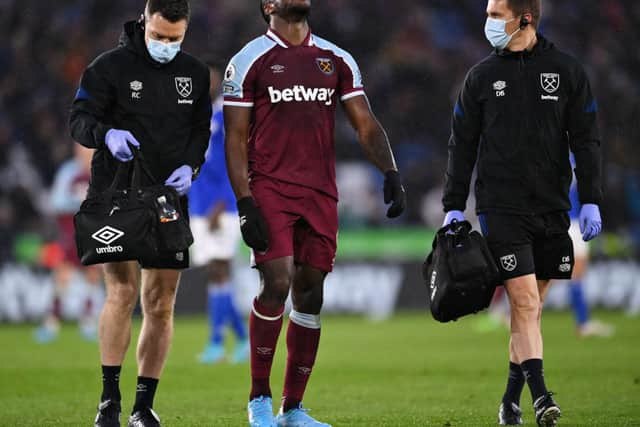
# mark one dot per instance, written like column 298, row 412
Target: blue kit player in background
column 216, row 231
column 585, row 326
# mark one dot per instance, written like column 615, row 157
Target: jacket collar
column 541, row 46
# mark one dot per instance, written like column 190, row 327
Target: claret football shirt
column 293, row 91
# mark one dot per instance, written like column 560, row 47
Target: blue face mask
column 495, row 31
column 163, row 52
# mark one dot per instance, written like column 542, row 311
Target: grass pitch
column 408, row 371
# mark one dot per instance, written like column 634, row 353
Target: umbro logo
column 499, row 87
column 277, row 69
column 107, row 235
column 136, row 89
column 303, row 370
column 264, row 351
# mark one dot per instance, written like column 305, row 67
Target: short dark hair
column 171, row 10
column 520, row 7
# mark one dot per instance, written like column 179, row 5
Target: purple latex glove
column 118, row 143
column 180, row 179
column 590, row 221
column 453, row 215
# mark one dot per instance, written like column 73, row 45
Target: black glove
column 394, row 192
column 254, row 230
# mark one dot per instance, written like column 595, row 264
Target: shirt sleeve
column 463, row 147
column 350, row 77
column 584, row 139
column 96, row 94
column 238, row 86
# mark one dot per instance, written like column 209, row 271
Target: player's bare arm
column 375, row 143
column 371, row 135
column 236, row 126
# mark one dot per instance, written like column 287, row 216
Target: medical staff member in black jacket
column 148, row 94
column 520, row 112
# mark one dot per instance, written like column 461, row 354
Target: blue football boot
column 260, row 412
column 298, row 417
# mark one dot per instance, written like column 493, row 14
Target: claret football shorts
column 530, row 244
column 302, row 223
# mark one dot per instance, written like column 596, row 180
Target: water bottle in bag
column 166, row 212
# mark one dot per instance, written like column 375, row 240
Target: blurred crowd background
column 413, row 54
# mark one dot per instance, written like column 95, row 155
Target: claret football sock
column 515, row 384
column 145, row 392
column 110, row 383
column 264, row 330
column 534, row 374
column 303, row 338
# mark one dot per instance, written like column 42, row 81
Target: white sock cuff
column 263, row 317
column 310, row 321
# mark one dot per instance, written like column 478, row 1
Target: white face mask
column 163, row 52
column 495, row 31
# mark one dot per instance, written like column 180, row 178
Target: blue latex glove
column 451, row 215
column 180, row 179
column 118, row 143
column 590, row 222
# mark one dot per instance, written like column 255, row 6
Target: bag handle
column 139, row 167
column 455, row 232
column 121, row 175
column 456, row 228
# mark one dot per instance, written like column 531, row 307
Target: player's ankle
column 289, row 403
column 260, row 388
